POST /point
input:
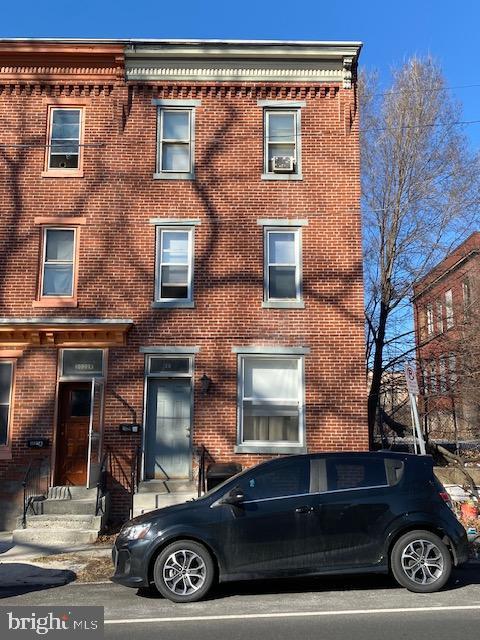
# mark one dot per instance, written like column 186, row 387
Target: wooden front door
column 74, row 402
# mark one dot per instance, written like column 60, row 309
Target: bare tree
column 420, row 190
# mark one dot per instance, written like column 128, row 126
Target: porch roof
column 63, row 332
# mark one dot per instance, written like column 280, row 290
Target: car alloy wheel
column 422, row 562
column 184, row 572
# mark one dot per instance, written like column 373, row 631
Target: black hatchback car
column 297, row 516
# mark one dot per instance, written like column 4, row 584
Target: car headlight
column 136, row 531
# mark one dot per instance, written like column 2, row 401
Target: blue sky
column 391, row 31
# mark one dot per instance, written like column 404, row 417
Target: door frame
column 61, row 378
column 177, row 354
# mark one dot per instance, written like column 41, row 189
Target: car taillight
column 446, row 498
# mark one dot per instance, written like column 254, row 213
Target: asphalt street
column 323, row 608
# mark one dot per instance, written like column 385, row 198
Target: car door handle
column 304, row 509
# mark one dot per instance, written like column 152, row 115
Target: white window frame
column 173, row 302
column 175, row 105
column 8, row 404
column 80, row 135
column 430, row 320
column 296, row 231
column 45, row 231
column 270, row 446
column 439, row 314
column 267, row 171
column 449, row 317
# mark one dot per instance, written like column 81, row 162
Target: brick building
column 448, row 344
column 180, row 250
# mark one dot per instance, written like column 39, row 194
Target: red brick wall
column 118, row 195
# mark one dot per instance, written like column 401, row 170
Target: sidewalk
column 47, row 565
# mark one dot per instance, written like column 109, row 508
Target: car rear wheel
column 184, row 571
column 421, row 562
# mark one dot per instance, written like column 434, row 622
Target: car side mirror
column 235, row 497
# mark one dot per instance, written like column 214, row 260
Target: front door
column 167, row 440
column 74, row 403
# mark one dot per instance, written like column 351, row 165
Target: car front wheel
column 421, row 562
column 184, row 571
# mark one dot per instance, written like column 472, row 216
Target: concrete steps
column 65, row 517
column 156, row 494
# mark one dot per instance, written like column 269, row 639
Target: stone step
column 167, row 486
column 70, row 492
column 82, row 506
column 69, row 521
column 143, row 502
column 54, row 537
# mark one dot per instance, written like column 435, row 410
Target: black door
column 350, row 510
column 265, row 533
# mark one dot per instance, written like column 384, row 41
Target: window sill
column 5, row 452
column 173, row 305
column 174, row 176
column 283, row 304
column 55, row 302
column 62, row 173
column 282, row 176
column 279, row 448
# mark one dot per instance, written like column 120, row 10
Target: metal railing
column 102, row 483
column 204, row 456
column 35, row 485
column 135, row 475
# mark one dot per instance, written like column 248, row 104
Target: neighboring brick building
column 448, row 344
column 180, row 222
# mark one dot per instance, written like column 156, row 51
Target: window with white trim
column 174, row 265
column 439, row 316
column 271, row 400
column 282, row 137
column 58, row 262
column 175, row 141
column 449, row 309
column 65, row 129
column 6, row 383
column 282, row 264
column 430, row 326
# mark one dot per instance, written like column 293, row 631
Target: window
column 282, row 268
column 449, row 308
column 280, row 479
column 439, row 316
column 430, row 327
column 64, row 142
column 175, row 142
column 442, row 366
column 343, row 474
column 467, row 302
column 6, row 381
column 282, row 138
column 58, row 263
column 433, row 376
column 170, row 365
column 82, row 363
column 271, row 401
column 452, row 368
column 425, row 380
column 174, row 279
